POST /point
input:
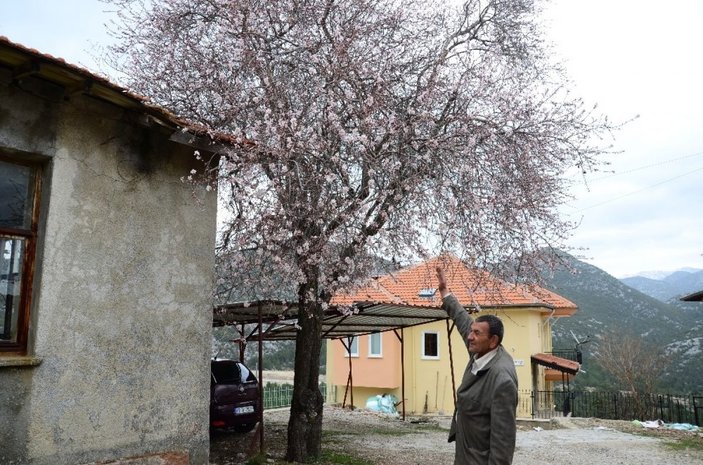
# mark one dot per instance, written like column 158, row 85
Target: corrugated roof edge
column 695, row 297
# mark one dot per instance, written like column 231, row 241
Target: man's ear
column 493, row 341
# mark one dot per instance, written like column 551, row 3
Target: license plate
column 243, row 410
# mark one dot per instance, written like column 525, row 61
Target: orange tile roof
column 472, row 287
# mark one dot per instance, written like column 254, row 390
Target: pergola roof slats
column 281, row 318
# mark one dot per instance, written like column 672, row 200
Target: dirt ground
column 361, row 437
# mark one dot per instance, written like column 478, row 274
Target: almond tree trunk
column 305, row 424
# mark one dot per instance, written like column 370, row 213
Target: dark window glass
column 229, row 372
column 226, row 373
column 431, row 345
column 16, row 195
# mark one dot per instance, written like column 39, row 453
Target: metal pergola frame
column 363, row 318
column 275, row 320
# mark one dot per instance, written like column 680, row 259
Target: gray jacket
column 484, row 419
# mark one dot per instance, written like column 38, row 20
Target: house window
column 353, row 344
column 19, row 196
column 430, row 345
column 375, row 346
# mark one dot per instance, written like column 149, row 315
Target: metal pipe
column 351, row 379
column 242, row 344
column 451, row 358
column 402, row 373
column 401, row 339
column 347, row 346
column 261, row 385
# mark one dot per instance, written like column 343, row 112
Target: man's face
column 480, row 342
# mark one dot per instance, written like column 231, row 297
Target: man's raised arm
column 451, row 305
column 442, row 283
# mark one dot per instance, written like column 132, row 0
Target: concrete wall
column 121, row 314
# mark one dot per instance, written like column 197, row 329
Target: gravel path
column 596, row 446
column 383, row 440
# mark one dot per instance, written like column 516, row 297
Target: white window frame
column 424, row 356
column 353, row 349
column 380, row 345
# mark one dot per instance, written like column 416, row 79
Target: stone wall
column 121, row 313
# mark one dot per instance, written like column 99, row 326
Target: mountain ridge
column 674, row 285
column 607, row 304
column 658, row 274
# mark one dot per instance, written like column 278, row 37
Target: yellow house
column 423, row 364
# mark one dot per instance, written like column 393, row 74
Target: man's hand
column 442, row 282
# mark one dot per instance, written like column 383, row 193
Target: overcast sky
column 630, row 57
column 639, row 58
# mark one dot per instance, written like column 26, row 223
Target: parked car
column 234, row 396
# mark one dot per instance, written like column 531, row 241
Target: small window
column 430, row 345
column 375, row 346
column 353, row 345
column 19, row 195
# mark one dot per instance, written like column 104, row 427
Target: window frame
column 380, row 346
column 20, row 345
column 423, row 354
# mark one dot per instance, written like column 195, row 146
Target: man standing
column 484, row 419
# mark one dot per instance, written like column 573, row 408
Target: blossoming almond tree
column 393, row 128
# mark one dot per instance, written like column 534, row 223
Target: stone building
column 107, row 263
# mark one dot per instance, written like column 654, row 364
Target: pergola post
column 242, row 344
column 350, row 384
column 402, row 367
column 451, row 358
column 535, row 388
column 260, row 426
column 261, row 383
